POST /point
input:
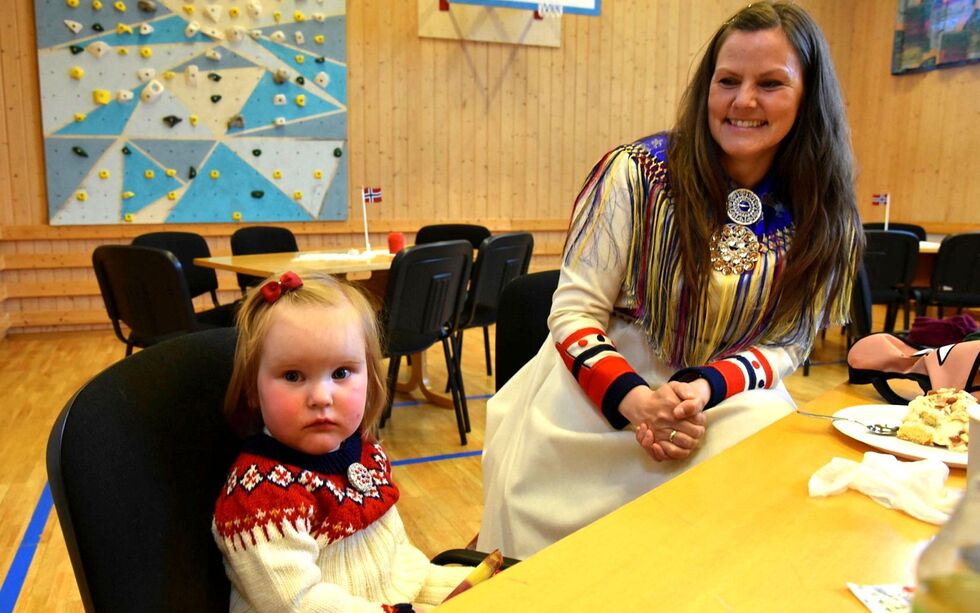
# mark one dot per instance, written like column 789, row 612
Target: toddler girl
column 307, row 518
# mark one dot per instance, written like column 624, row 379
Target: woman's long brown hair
column 813, row 169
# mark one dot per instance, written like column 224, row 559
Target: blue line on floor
column 415, row 403
column 14, row 580
column 436, row 458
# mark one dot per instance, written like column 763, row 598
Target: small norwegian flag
column 879, row 199
column 371, row 194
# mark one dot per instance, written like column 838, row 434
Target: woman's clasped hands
column 669, row 420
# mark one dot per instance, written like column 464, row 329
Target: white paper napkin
column 918, row 488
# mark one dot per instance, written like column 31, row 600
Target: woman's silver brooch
column 734, row 247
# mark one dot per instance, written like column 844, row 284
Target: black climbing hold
column 258, row 193
column 338, row 152
column 97, row 27
column 215, row 98
column 214, row 76
column 191, row 172
column 320, row 60
column 75, row 49
column 126, row 150
column 300, row 80
column 256, row 152
column 79, row 151
column 172, row 120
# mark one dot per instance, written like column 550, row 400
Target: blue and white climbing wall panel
column 188, row 111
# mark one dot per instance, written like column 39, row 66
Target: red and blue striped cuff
column 744, row 371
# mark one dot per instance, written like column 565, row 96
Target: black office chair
column 135, row 462
column 135, row 467
column 918, row 231
column 889, row 262
column 499, row 260
column 435, row 233
column 200, row 280
column 522, row 321
column 145, row 289
column 260, row 239
column 425, row 293
column 956, row 276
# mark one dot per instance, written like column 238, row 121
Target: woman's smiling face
column 753, row 100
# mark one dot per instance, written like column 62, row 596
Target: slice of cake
column 939, row 418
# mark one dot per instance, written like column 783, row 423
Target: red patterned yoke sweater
column 298, row 535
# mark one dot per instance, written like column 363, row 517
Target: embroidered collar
column 333, row 463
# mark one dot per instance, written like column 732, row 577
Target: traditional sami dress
column 308, row 533
column 556, row 455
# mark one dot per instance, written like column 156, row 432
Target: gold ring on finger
column 673, row 433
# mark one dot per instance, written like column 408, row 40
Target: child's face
column 312, row 381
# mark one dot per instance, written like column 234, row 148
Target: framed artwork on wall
column 933, row 34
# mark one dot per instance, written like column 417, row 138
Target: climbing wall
column 185, row 111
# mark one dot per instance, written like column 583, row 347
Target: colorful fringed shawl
column 736, row 311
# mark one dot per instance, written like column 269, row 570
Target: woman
column 682, row 288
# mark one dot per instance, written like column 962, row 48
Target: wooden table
column 368, row 270
column 737, row 533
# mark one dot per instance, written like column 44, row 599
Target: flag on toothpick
column 371, row 194
column 880, row 199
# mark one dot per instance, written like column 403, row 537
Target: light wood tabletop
column 736, row 533
column 331, row 262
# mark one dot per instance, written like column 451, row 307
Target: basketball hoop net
column 550, row 10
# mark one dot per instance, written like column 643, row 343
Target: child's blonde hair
column 255, row 314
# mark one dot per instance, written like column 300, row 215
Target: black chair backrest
column 918, row 231
column 889, row 262
column 500, row 260
column 260, row 239
column 957, row 271
column 435, row 233
column 860, row 305
column 185, row 246
column 144, row 288
column 522, row 321
column 426, row 286
column 136, row 460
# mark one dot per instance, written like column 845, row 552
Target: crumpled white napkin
column 918, row 488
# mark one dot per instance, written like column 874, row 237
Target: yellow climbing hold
column 318, row 39
column 299, row 16
column 80, row 116
column 317, row 174
column 277, row 174
column 189, row 9
column 170, row 172
column 169, row 74
column 146, row 52
column 97, row 5
column 72, row 3
column 193, row 120
column 215, row 174
column 101, row 96
column 127, row 195
column 277, row 15
column 120, row 6
column 297, row 195
column 300, row 59
column 122, row 28
column 128, row 217
column 233, row 11
column 81, row 195
column 301, row 100
column 171, row 195
column 149, row 174
column 236, row 215
column 122, row 51
column 76, row 73
column 103, row 174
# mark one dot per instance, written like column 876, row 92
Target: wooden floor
column 441, row 500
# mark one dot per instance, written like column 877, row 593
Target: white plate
column 891, row 415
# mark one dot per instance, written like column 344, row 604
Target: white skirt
column 552, row 463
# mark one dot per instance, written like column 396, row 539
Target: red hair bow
column 273, row 289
